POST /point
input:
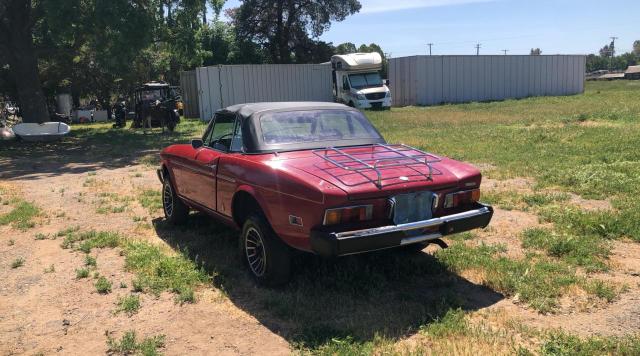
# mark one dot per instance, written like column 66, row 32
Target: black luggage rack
column 397, row 155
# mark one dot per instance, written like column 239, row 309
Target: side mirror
column 197, row 143
column 387, row 82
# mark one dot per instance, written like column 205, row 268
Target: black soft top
column 249, row 115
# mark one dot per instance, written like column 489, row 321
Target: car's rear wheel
column 266, row 256
column 175, row 210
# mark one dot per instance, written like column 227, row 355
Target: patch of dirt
column 518, row 185
column 591, row 123
column 590, row 204
column 626, row 257
column 505, row 228
column 55, row 312
column 617, row 318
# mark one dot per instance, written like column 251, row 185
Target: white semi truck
column 357, row 81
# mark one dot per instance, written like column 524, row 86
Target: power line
column 505, row 51
column 429, row 44
column 478, row 49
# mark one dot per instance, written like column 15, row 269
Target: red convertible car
column 316, row 177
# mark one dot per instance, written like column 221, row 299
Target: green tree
column 282, row 25
column 636, row 48
column 346, row 48
column 605, row 51
column 18, row 54
column 596, row 62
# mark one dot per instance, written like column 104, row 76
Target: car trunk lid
column 374, row 171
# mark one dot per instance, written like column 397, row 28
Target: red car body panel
column 298, row 183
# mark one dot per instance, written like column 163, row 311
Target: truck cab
column 357, row 81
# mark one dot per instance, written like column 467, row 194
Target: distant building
column 633, row 72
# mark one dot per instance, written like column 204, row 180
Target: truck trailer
column 357, row 81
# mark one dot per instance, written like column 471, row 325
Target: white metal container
column 432, row 80
column 221, row 86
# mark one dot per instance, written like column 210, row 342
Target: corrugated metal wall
column 189, row 87
column 221, row 86
column 430, row 80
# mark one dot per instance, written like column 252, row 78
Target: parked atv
column 155, row 106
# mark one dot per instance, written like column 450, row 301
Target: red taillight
column 348, row 214
column 453, row 200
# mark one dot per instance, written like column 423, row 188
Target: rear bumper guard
column 331, row 244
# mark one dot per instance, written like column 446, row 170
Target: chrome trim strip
column 226, row 178
column 421, row 238
column 413, row 225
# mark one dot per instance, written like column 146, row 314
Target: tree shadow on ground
column 88, row 148
column 390, row 293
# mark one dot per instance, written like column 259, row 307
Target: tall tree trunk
column 204, row 12
column 280, row 55
column 23, row 64
column 24, row 69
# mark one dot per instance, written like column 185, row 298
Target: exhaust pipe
column 440, row 243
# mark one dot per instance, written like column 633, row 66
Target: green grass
column 452, row 323
column 41, row 236
column 129, row 344
column 562, row 344
column 18, row 262
column 22, row 215
column 103, row 285
column 603, row 290
column 537, row 282
column 128, row 304
column 511, row 200
column 588, row 251
column 90, row 261
column 151, row 200
column 155, row 270
column 85, row 241
column 82, row 273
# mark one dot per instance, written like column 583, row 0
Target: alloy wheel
column 167, row 199
column 255, row 252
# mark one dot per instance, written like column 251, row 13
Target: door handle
column 212, row 166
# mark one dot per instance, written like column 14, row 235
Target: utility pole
column 478, row 49
column 505, row 51
column 429, row 44
column 612, row 50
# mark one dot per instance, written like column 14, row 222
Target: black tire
column 175, row 210
column 171, row 125
column 352, row 104
column 270, row 262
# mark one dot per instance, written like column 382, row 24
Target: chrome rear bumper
column 328, row 243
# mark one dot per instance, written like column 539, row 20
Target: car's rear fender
column 291, row 217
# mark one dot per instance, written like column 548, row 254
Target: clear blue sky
column 404, row 27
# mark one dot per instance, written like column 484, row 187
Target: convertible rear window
column 292, row 127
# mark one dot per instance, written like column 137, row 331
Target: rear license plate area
column 411, row 207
